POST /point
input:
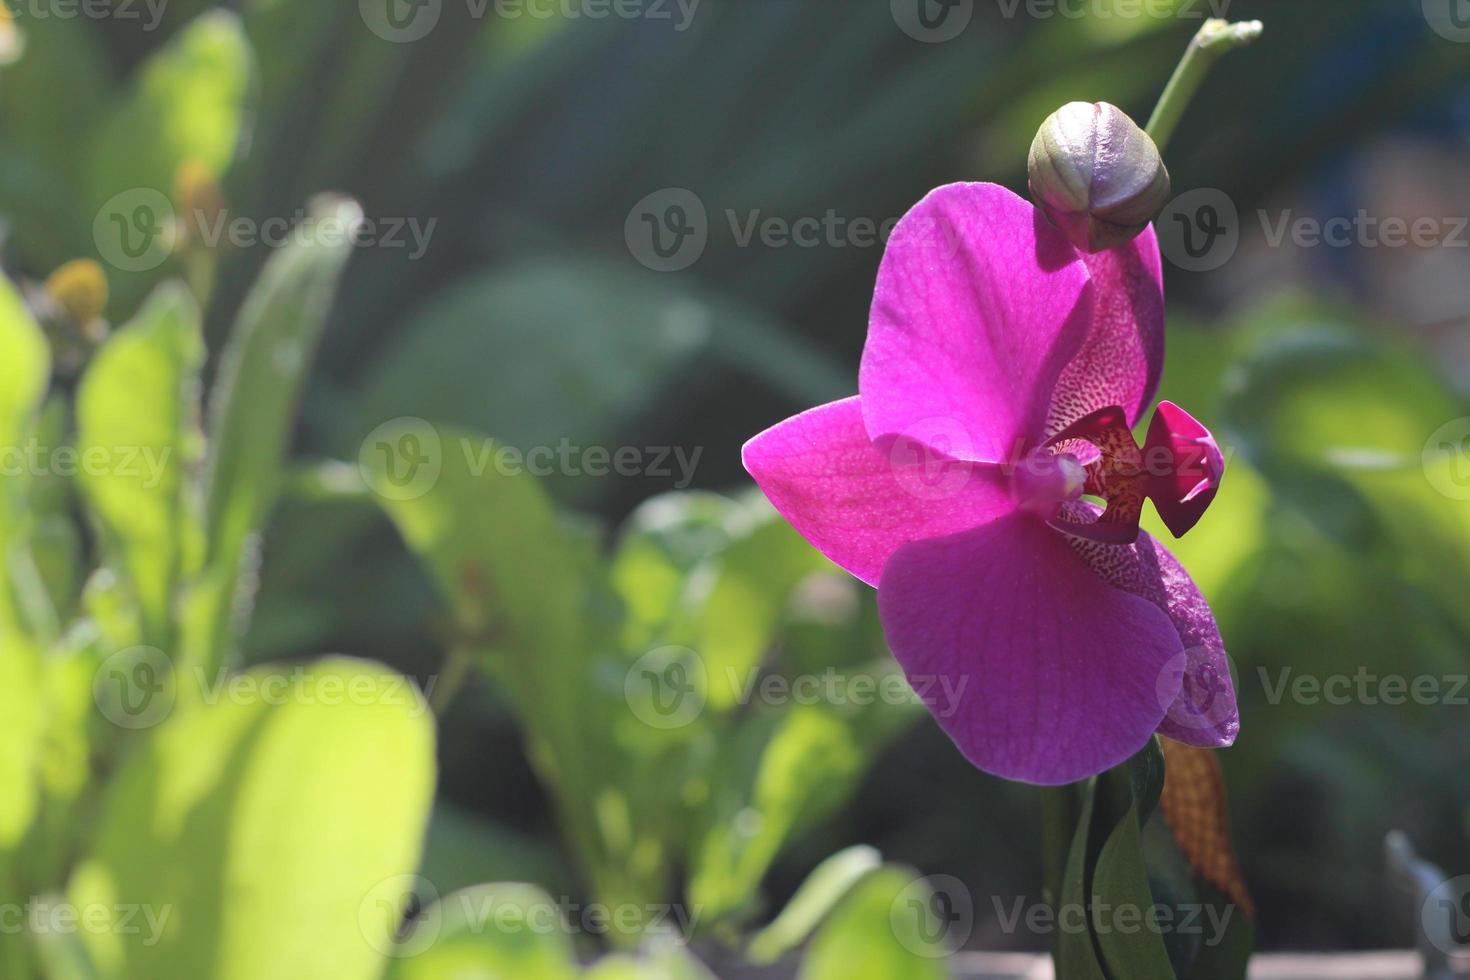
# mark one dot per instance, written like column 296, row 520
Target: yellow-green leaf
column 250, row 835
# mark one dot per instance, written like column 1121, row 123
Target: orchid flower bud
column 1096, row 175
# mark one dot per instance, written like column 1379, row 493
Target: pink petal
column 980, row 304
column 1123, row 354
column 1196, row 686
column 857, row 505
column 1035, row 667
column 1185, row 467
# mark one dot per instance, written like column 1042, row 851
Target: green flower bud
column 1097, row 175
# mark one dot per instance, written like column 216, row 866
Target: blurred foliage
column 597, row 733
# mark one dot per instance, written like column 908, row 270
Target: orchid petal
column 1122, row 356
column 979, row 306
column 1196, row 686
column 1050, row 673
column 855, row 504
column 1183, row 489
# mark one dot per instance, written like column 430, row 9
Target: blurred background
column 654, row 227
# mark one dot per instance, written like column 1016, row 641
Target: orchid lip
column 1179, row 468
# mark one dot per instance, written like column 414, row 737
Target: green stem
column 1215, row 38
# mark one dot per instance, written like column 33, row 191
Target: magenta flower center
column 1178, row 467
column 1046, row 479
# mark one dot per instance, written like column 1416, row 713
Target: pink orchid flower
column 1002, row 373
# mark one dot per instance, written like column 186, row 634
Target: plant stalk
column 1213, row 40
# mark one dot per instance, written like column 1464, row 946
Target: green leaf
column 67, row 677
column 188, row 104
column 828, row 884
column 614, row 339
column 776, row 774
column 25, row 373
column 747, row 600
column 252, row 834
column 1074, row 951
column 715, row 576
column 870, row 936
column 23, row 706
column 1145, row 771
column 1323, row 398
column 528, row 600
column 1363, row 441
column 1105, row 881
column 667, row 962
column 510, row 570
column 253, row 405
column 54, row 92
column 497, row 930
column 138, row 411
column 48, row 103
column 665, row 541
column 610, row 339
column 1121, row 900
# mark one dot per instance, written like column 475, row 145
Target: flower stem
column 1215, row 38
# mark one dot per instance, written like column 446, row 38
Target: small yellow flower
column 80, row 289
